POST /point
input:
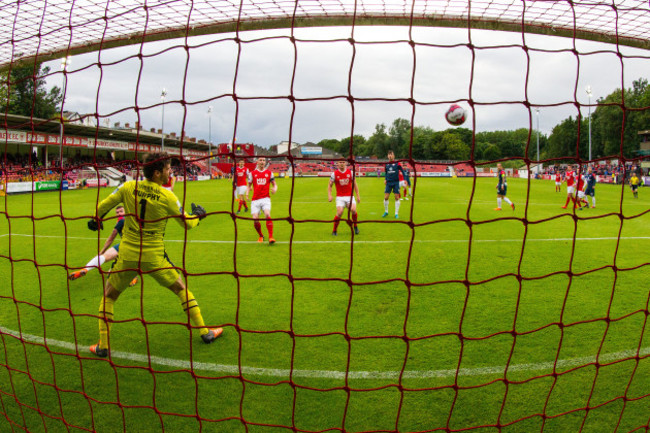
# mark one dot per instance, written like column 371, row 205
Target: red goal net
column 444, row 305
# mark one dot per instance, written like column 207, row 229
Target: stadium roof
column 52, row 29
column 24, row 123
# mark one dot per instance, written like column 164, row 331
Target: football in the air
column 455, row 115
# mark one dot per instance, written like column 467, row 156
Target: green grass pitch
column 411, row 327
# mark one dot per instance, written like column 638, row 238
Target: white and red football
column 455, row 115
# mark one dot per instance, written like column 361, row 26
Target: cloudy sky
column 377, row 71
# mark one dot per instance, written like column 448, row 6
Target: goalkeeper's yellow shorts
column 123, row 272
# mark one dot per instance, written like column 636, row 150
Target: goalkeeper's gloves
column 198, row 211
column 95, row 224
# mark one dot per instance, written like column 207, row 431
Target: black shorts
column 502, row 191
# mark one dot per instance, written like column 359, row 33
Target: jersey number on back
column 143, row 209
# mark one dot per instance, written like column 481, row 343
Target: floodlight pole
column 210, row 141
column 162, row 126
column 65, row 62
column 537, row 111
column 588, row 89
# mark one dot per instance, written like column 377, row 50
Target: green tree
column 4, row 86
column 344, row 145
column 329, row 143
column 422, row 138
column 457, row 150
column 399, row 137
column 617, row 120
column 491, row 152
column 27, row 94
column 563, row 139
column 378, row 143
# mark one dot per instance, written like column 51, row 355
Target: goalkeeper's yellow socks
column 191, row 307
column 105, row 319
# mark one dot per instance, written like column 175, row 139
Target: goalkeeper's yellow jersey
column 147, row 207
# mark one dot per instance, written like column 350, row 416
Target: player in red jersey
column 345, row 183
column 580, row 191
column 261, row 180
column 240, row 182
column 405, row 184
column 570, row 178
column 558, row 181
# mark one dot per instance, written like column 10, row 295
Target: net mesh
column 269, row 382
column 32, row 29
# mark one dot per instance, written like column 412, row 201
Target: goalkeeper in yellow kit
column 148, row 206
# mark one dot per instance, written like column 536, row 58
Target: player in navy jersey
column 502, row 188
column 393, row 169
column 590, row 188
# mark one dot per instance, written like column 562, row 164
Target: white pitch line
column 330, row 374
column 441, row 241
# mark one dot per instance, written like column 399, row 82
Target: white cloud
column 112, row 84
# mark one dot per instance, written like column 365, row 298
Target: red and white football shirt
column 241, row 174
column 261, row 181
column 343, row 181
column 570, row 178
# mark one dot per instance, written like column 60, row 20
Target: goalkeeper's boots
column 396, row 216
column 497, row 208
column 385, row 215
column 212, row 335
column 334, row 233
column 260, row 239
column 96, row 350
column 512, row 205
column 77, row 274
column 356, row 230
column 271, row 241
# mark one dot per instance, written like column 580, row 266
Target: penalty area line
column 331, row 374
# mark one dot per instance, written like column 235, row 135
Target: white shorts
column 581, row 194
column 344, row 201
column 403, row 184
column 570, row 189
column 240, row 190
column 558, row 183
column 260, row 205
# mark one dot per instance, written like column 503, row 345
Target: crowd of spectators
column 22, row 168
column 601, row 169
